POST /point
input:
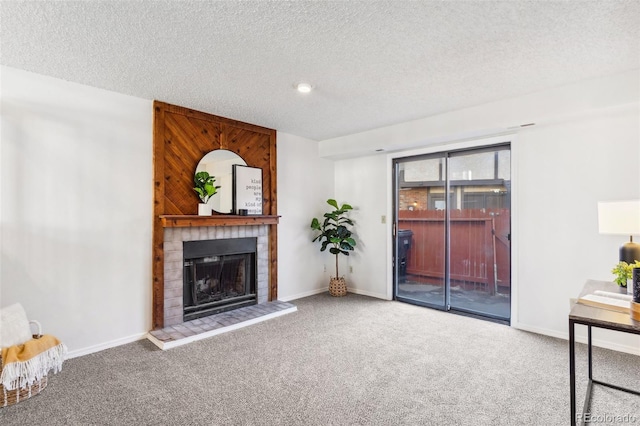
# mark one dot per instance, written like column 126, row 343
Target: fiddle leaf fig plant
column 335, row 232
column 624, row 271
column 205, row 187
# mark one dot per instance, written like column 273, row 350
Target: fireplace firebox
column 219, row 275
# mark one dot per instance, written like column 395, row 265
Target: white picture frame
column 247, row 189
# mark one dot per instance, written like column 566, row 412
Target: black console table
column 599, row 318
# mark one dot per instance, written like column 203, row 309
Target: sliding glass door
column 452, row 231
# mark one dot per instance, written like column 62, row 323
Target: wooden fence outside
column 480, row 247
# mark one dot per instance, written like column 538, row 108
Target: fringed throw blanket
column 24, row 364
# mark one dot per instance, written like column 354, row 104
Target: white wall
column 589, row 151
column 563, row 171
column 362, row 182
column 76, row 209
column 305, row 182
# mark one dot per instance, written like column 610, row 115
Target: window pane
column 479, row 247
column 504, row 164
column 473, row 167
column 422, row 171
column 420, row 236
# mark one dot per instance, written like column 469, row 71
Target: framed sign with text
column 247, row 190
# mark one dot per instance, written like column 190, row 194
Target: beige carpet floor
column 337, row 361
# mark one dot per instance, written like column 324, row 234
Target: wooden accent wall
column 181, row 137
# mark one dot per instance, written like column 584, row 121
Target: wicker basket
column 10, row 397
column 338, row 287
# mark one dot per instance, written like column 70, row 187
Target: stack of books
column 607, row 300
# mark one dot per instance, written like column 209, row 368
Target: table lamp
column 621, row 218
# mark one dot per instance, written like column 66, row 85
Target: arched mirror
column 219, row 163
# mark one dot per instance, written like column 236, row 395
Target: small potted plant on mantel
column 205, row 188
column 623, row 272
column 335, row 234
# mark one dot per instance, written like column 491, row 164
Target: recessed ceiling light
column 304, row 87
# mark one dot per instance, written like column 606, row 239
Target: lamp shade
column 619, row 217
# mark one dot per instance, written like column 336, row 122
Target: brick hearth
column 202, row 328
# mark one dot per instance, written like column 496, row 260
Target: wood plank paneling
column 181, row 138
column 273, row 229
column 157, row 309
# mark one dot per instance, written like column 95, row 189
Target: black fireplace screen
column 219, row 275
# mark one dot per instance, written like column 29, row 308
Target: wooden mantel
column 186, row 221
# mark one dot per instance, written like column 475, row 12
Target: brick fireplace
column 178, row 326
column 174, row 239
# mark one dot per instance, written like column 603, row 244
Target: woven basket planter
column 338, row 287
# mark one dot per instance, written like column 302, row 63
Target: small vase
column 622, row 289
column 204, row 209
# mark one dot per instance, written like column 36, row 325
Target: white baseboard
column 539, row 330
column 610, row 345
column 106, row 345
column 367, row 293
column 303, row 294
column 325, row 289
column 580, row 339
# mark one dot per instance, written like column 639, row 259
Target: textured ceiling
column 372, row 63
